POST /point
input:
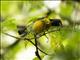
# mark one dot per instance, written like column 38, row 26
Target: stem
column 24, row 39
column 35, row 45
column 37, row 52
column 19, row 39
column 46, row 36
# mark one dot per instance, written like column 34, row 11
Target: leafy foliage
column 60, row 45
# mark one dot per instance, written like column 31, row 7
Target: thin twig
column 47, row 33
column 35, row 45
column 37, row 52
column 27, row 40
column 11, row 35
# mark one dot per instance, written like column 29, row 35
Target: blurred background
column 62, row 45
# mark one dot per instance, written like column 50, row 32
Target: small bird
column 22, row 30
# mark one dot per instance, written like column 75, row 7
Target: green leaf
column 66, row 10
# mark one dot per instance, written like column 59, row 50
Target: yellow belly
column 38, row 26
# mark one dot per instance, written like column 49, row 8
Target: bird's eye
column 22, row 30
column 56, row 22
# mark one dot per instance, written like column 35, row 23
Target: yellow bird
column 41, row 25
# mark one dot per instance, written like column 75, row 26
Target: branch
column 37, row 52
column 15, row 43
column 18, row 39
